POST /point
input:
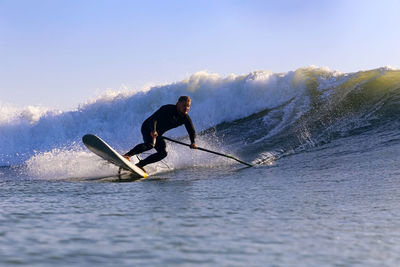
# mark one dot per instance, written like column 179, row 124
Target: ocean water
column 325, row 190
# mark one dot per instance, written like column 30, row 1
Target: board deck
column 105, row 151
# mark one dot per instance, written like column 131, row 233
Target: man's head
column 183, row 104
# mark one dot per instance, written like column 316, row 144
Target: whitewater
column 324, row 190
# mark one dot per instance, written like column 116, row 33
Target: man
column 164, row 119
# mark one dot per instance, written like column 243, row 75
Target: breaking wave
column 258, row 116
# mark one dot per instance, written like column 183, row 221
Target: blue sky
column 59, row 53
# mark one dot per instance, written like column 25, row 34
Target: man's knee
column 149, row 145
column 163, row 153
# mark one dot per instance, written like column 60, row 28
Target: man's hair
column 184, row 98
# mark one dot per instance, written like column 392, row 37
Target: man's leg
column 162, row 152
column 140, row 148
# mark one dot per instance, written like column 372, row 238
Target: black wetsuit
column 164, row 119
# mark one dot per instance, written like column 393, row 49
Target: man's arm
column 191, row 131
column 152, row 121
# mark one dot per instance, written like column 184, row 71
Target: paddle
column 209, row 151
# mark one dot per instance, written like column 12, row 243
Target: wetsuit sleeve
column 190, row 129
column 152, row 120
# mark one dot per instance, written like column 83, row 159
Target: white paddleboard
column 105, row 151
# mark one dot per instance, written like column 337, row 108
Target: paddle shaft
column 209, row 151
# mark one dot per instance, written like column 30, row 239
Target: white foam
column 56, row 164
column 10, row 114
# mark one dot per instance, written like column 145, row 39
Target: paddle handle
column 154, row 138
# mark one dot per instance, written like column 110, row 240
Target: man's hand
column 193, row 146
column 154, row 134
column 127, row 157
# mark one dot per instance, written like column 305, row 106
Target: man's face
column 183, row 107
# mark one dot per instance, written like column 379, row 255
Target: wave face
column 255, row 116
column 329, row 106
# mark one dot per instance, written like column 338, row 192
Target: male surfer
column 164, row 119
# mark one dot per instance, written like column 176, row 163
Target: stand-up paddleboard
column 105, row 151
